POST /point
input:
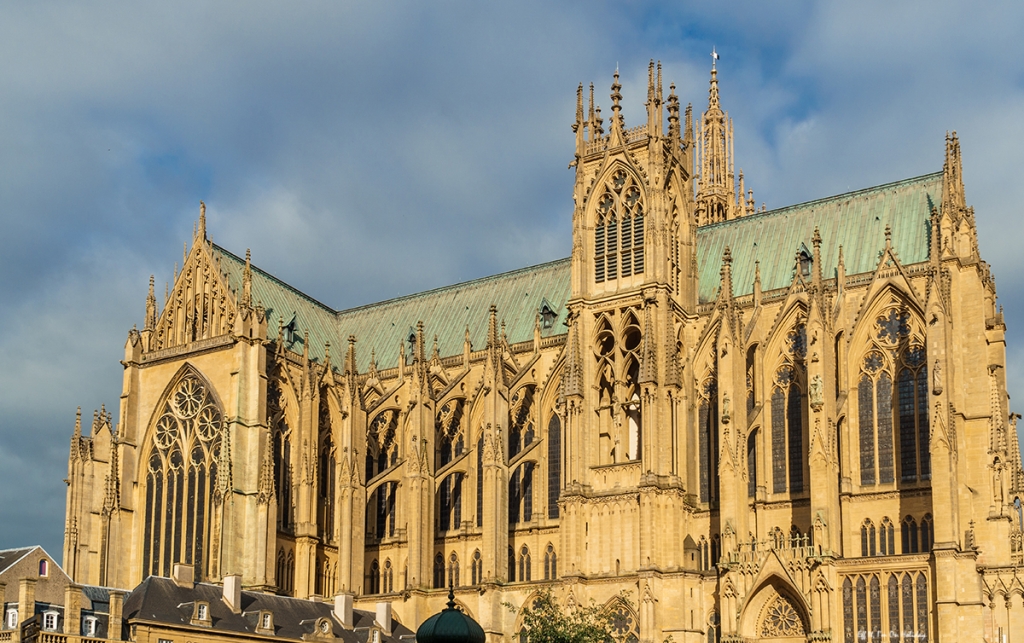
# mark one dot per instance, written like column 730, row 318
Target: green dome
column 450, row 625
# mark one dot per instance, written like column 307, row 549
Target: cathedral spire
column 717, row 200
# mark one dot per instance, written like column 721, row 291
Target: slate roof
column 10, row 556
column 160, row 600
column 854, row 220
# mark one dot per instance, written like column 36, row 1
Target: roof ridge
column 834, row 197
column 479, row 280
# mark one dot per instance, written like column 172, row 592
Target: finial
column 451, row 595
column 617, row 124
column 714, row 58
column 658, row 88
column 888, row 235
column 202, row 220
column 78, row 422
column 247, row 280
column 650, row 80
column 579, row 108
column 816, row 240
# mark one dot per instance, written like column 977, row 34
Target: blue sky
column 365, row 150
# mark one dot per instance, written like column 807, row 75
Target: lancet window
column 181, row 479
column 787, row 416
column 707, row 439
column 631, row 342
column 892, row 604
column 381, row 445
column 752, row 464
column 451, row 438
column 439, row 571
column 868, row 537
column 450, row 503
column 480, row 482
column 912, row 397
column 620, row 414
column 550, row 563
column 282, row 437
column 619, row 229
column 554, row 464
column 326, row 474
column 477, row 568
column 387, row 578
column 520, row 494
column 373, row 578
column 453, row 570
column 525, row 565
column 380, row 511
column 520, row 431
column 886, row 538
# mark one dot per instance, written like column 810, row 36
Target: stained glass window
column 883, row 406
column 778, row 441
column 554, row 464
column 795, row 431
column 866, row 420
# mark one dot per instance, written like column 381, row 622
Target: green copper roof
column 445, row 312
column 855, row 220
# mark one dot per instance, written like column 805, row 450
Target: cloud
column 365, row 150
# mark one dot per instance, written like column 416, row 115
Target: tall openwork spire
column 717, row 198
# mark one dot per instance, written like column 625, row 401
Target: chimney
column 26, row 599
column 72, row 609
column 114, row 619
column 343, row 610
column 384, row 617
column 183, row 575
column 233, row 592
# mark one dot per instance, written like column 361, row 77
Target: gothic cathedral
column 722, row 422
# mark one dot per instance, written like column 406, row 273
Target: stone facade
column 722, row 422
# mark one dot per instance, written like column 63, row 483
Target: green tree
column 545, row 621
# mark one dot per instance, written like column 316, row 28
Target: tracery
column 619, row 229
column 181, row 475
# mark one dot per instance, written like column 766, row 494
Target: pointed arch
column 616, row 209
column 624, row 622
column 183, row 456
column 774, row 607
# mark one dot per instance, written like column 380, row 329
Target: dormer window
column 547, row 315
column 805, row 264
column 11, row 619
column 89, row 626
column 201, row 613
column 50, row 621
column 266, row 622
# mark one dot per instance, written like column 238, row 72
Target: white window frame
column 12, row 619
column 266, row 620
column 202, row 612
column 50, row 621
column 89, row 623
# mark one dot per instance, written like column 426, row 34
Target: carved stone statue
column 816, row 392
column 726, row 408
column 937, row 378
